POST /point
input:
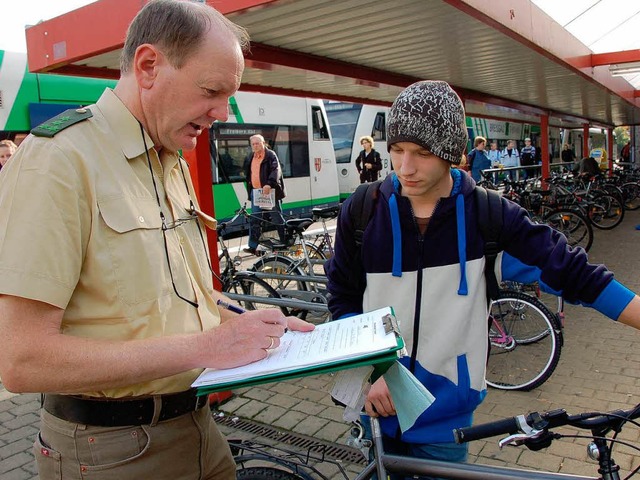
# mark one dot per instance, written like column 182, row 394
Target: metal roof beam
column 610, row 58
column 262, row 56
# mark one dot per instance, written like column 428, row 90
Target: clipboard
column 381, row 359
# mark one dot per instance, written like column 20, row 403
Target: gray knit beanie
column 429, row 114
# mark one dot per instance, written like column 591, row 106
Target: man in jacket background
column 262, row 171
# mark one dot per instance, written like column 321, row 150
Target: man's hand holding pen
column 248, row 337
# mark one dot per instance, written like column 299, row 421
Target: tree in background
column 621, row 136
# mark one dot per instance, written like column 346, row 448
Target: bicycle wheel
column 631, row 192
column 573, row 225
column 265, row 473
column 316, row 257
column 281, row 267
column 525, row 342
column 606, row 211
column 247, row 284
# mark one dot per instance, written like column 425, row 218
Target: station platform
column 599, row 369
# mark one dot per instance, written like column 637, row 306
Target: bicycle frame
column 403, row 465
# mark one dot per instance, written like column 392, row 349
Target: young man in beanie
column 430, row 269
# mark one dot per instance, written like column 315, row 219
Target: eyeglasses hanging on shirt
column 193, row 214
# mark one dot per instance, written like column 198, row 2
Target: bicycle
column 295, row 276
column 259, row 461
column 525, row 342
column 240, row 285
column 543, row 207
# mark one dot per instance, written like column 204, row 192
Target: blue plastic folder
column 371, row 338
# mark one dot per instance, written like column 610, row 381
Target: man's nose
column 219, row 111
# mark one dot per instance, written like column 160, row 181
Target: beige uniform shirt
column 82, row 231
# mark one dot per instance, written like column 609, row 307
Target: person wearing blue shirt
column 478, row 159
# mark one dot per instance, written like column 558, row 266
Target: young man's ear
column 146, row 62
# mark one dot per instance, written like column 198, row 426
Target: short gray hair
column 177, row 28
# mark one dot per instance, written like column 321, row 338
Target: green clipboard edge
column 381, row 362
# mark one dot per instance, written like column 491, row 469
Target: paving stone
column 13, row 462
column 270, row 414
column 310, row 408
column 18, row 446
column 284, row 401
column 27, row 431
column 22, row 420
column 258, row 393
column 332, row 431
column 285, row 388
column 310, row 425
column 18, row 474
column 250, row 409
column 290, row 420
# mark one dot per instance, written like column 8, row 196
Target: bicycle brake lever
column 514, row 440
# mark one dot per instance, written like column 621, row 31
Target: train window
column 343, row 119
column 379, row 131
column 230, row 148
column 320, row 130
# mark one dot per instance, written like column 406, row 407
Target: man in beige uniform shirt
column 107, row 304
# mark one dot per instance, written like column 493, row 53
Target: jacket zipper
column 418, row 304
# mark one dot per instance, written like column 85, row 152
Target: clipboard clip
column 390, row 324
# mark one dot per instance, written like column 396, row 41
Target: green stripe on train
column 43, row 88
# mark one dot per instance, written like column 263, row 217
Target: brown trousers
column 186, row 447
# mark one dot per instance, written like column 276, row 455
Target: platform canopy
column 507, row 59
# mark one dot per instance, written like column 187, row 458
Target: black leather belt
column 112, row 412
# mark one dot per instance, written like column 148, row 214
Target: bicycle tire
column 525, row 342
column 606, row 211
column 265, row 473
column 247, row 284
column 283, row 265
column 573, row 225
column 316, row 256
column 631, row 192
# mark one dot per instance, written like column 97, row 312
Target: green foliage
column 620, row 138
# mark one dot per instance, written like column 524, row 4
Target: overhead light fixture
column 624, row 69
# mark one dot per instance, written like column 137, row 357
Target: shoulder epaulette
column 61, row 121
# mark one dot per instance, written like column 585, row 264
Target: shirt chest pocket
column 133, row 240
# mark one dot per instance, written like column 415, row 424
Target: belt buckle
column 201, row 401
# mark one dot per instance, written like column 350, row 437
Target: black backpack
column 489, row 212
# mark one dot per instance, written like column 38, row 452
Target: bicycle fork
column 597, row 450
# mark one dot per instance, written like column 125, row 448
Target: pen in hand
column 230, row 307
column 235, row 309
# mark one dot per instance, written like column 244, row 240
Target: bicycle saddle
column 298, row 224
column 326, row 212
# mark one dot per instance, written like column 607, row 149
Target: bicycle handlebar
column 535, row 422
column 491, row 429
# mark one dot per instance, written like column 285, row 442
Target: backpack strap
column 489, row 209
column 360, row 211
column 361, row 208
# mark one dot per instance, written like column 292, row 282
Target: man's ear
column 146, row 63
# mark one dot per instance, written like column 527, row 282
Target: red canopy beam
column 611, row 58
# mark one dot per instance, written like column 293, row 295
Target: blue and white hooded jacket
column 435, row 283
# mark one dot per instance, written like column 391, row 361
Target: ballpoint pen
column 236, row 309
column 230, row 307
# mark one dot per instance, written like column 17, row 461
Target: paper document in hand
column 351, row 338
column 262, row 200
